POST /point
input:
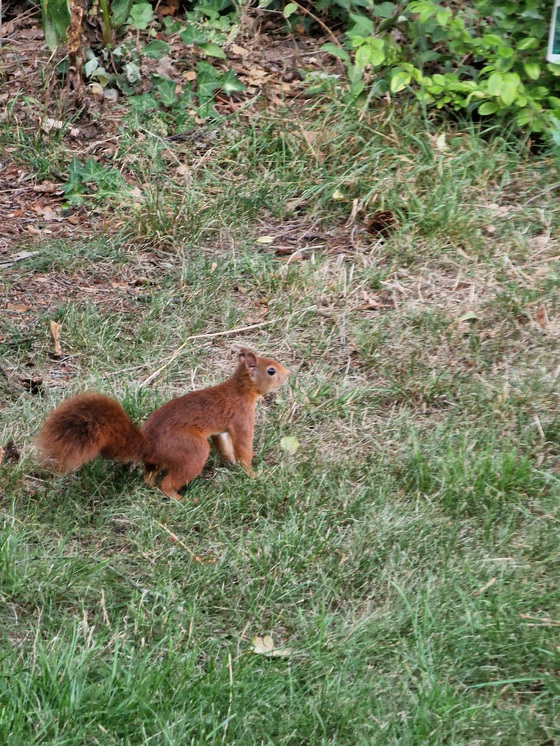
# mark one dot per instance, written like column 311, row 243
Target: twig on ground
column 324, row 26
column 211, row 335
column 176, row 538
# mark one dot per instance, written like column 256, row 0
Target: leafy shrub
column 487, row 56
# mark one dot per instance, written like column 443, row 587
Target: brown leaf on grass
column 290, row 444
column 468, row 316
column 9, row 452
column 374, row 302
column 47, row 188
column 55, row 331
column 263, row 310
column 33, row 385
column 209, row 559
column 18, row 307
column 541, row 317
column 265, row 646
column 383, row 223
column 51, row 124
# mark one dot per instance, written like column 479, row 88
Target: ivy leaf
column 165, row 88
column 206, row 84
column 120, row 10
column 156, row 49
column 193, row 34
column 229, row 82
column 132, row 72
column 141, row 14
column 91, row 171
column 212, row 50
column 384, row 10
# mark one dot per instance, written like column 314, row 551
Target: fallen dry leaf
column 541, row 317
column 289, row 444
column 239, row 51
column 169, row 9
column 47, row 188
column 383, row 223
column 261, row 316
column 18, row 307
column 294, row 257
column 55, row 331
column 468, row 316
column 166, row 67
column 441, row 143
column 265, row 646
column 372, row 302
column 33, row 385
column 9, row 452
column 51, row 124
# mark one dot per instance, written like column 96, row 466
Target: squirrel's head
column 265, row 374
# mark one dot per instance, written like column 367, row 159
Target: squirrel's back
column 87, row 426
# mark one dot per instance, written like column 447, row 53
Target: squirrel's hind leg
column 224, row 446
column 190, row 454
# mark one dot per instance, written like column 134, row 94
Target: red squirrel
column 174, row 438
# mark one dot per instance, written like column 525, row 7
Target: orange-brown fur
column 174, row 438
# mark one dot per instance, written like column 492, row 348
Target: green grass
column 407, row 554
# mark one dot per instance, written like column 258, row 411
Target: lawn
column 404, row 559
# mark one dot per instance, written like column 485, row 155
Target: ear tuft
column 248, row 358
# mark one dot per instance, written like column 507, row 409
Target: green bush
column 488, row 57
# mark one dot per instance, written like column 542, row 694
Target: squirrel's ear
column 248, row 358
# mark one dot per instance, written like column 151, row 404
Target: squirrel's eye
column 271, row 371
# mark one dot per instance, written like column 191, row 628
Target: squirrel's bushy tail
column 87, row 426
